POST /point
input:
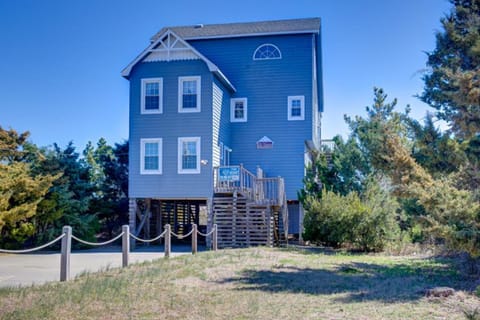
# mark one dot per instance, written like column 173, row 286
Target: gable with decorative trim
column 171, row 48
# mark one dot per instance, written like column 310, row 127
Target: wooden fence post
column 214, row 236
column 168, row 241
column 125, row 245
column 65, row 254
column 194, row 238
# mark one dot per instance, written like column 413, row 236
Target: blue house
column 222, row 117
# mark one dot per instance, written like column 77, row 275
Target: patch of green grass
column 254, row 283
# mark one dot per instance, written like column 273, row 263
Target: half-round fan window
column 267, row 51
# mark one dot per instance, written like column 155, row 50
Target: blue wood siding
column 267, row 85
column 170, row 126
column 293, row 218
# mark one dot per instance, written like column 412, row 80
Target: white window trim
column 232, row 110
column 160, row 96
column 180, row 94
column 142, row 155
column 181, row 140
column 263, row 45
column 302, row 108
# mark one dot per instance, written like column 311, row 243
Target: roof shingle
column 307, row 25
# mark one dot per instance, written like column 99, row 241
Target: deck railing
column 270, row 191
column 261, row 190
column 231, row 178
column 328, row 144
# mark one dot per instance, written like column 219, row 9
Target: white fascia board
column 224, row 80
column 126, row 71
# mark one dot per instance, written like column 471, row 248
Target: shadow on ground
column 355, row 282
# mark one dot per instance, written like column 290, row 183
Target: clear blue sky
column 60, row 61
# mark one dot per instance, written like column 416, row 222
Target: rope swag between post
column 180, row 236
column 148, row 240
column 96, row 243
column 34, row 249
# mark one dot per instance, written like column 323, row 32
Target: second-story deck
column 257, row 188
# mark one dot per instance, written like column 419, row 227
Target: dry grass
column 255, row 283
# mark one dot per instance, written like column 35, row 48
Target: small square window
column 238, row 110
column 152, row 95
column 189, row 94
column 296, row 108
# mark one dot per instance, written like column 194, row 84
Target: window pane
column 189, row 155
column 296, row 108
column 151, row 89
column 151, row 102
column 151, row 162
column 151, row 149
column 267, row 52
column 190, row 87
column 151, row 156
column 296, row 112
column 189, row 147
column 152, row 92
column 189, row 101
column 189, row 94
column 189, row 162
column 239, row 111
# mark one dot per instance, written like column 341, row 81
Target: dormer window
column 266, row 52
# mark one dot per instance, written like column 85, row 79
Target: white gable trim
column 185, row 45
column 170, row 48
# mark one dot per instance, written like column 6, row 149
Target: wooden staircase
column 251, row 212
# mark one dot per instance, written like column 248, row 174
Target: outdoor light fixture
column 203, row 162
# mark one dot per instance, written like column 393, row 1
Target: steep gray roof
column 307, row 25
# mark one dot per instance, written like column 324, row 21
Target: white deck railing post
column 125, row 245
column 194, row 239
column 168, row 241
column 65, row 254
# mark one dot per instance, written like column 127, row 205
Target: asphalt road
column 27, row 269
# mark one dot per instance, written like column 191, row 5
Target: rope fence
column 96, row 244
column 181, row 236
column 67, row 236
column 34, row 249
column 149, row 240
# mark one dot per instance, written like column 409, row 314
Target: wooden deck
column 261, row 190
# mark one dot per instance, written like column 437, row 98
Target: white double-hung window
column 152, row 95
column 189, row 94
column 188, row 155
column 238, row 110
column 296, row 108
column 151, row 156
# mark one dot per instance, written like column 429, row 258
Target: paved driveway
column 27, row 269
